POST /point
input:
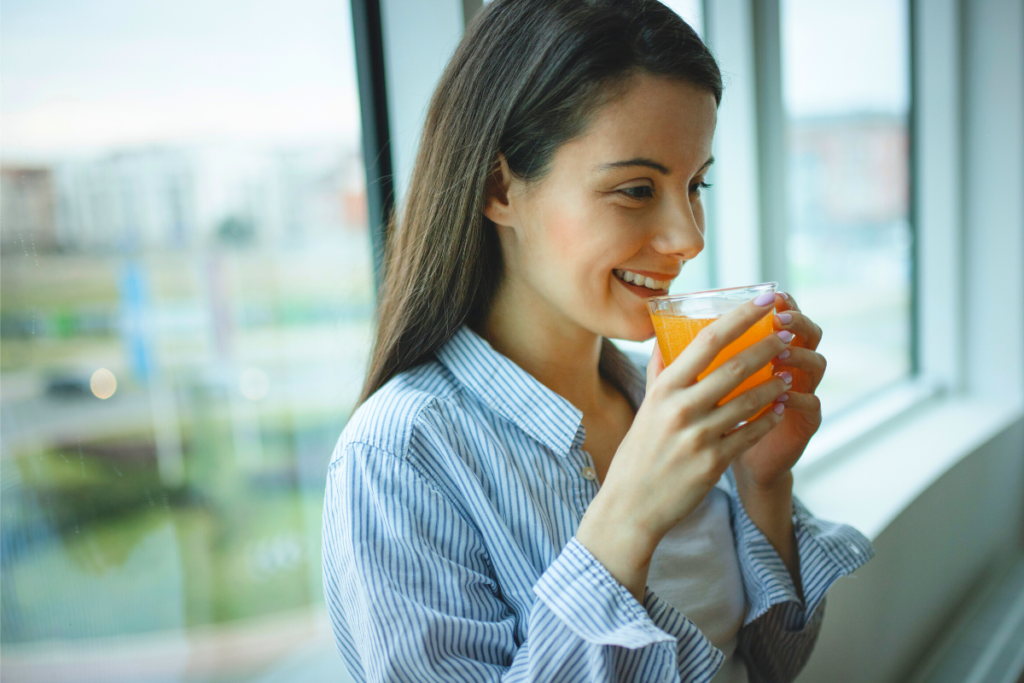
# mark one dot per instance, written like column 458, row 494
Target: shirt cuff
column 697, row 659
column 581, row 593
column 826, row 551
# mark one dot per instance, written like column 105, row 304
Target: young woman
column 514, row 500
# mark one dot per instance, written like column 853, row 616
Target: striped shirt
column 452, row 501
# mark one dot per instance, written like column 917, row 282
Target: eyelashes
column 697, row 188
column 638, row 192
column 647, row 192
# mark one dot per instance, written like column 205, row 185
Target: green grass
column 109, row 550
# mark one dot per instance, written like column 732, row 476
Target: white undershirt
column 695, row 569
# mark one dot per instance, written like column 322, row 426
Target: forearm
column 771, row 510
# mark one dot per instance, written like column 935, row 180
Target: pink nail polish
column 786, row 336
column 783, row 398
column 784, row 295
column 765, row 299
column 784, row 355
column 779, row 408
column 786, row 377
column 785, row 318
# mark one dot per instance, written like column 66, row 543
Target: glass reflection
column 846, row 76
column 185, row 316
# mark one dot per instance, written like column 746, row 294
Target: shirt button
column 589, row 473
column 855, row 549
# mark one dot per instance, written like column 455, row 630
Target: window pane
column 186, row 300
column 847, row 98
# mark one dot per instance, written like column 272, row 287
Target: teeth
column 637, row 279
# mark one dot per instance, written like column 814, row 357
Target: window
column 846, row 94
column 186, row 314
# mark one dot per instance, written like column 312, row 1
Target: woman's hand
column 680, row 443
column 767, row 464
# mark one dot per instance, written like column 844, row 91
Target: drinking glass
column 678, row 318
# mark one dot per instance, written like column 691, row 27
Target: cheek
column 566, row 233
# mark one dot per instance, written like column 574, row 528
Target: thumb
column 655, row 365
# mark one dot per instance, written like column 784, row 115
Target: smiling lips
column 642, row 280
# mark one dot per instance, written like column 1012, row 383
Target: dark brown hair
column 525, row 79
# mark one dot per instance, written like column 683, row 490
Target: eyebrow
column 649, row 163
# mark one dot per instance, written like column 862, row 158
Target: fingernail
column 786, row 336
column 785, row 318
column 765, row 299
column 784, row 355
column 783, row 398
column 786, row 377
column 784, row 295
column 778, row 408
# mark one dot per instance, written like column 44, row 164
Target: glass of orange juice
column 678, row 318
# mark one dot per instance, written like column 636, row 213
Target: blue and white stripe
column 453, row 497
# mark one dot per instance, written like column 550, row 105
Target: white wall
column 993, row 97
column 880, row 622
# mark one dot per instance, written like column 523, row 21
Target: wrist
column 779, row 488
column 624, row 547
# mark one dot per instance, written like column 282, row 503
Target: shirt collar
column 518, row 397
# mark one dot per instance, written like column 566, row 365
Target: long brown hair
column 524, row 80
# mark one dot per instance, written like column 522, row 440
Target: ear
column 498, row 202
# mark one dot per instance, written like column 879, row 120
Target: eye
column 638, row 192
column 696, row 188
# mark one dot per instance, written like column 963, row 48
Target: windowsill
column 844, row 433
column 867, row 478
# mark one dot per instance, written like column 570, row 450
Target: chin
column 631, row 327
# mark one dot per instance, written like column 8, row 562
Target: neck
column 556, row 351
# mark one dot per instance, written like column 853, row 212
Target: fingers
column 784, row 301
column 747, row 404
column 696, row 357
column 800, row 402
column 808, row 333
column 744, row 438
column 734, row 371
column 811, row 365
column 655, row 365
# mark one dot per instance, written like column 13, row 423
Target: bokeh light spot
column 103, row 383
column 254, row 384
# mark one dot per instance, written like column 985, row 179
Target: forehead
column 660, row 118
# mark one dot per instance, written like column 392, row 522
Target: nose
column 681, row 229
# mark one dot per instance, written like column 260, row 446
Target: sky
column 843, row 56
column 82, row 77
column 79, row 77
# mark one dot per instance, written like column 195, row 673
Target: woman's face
column 622, row 202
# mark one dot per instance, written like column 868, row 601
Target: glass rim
column 709, row 292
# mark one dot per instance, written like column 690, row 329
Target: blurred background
column 187, row 267
column 187, row 292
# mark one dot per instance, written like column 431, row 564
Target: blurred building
column 849, row 171
column 27, row 204
column 184, row 198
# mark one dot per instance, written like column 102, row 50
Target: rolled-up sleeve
column 412, row 596
column 780, row 629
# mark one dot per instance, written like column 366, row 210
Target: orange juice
column 676, row 332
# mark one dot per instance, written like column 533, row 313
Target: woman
column 513, row 500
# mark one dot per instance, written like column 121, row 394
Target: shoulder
column 393, row 421
column 408, row 441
